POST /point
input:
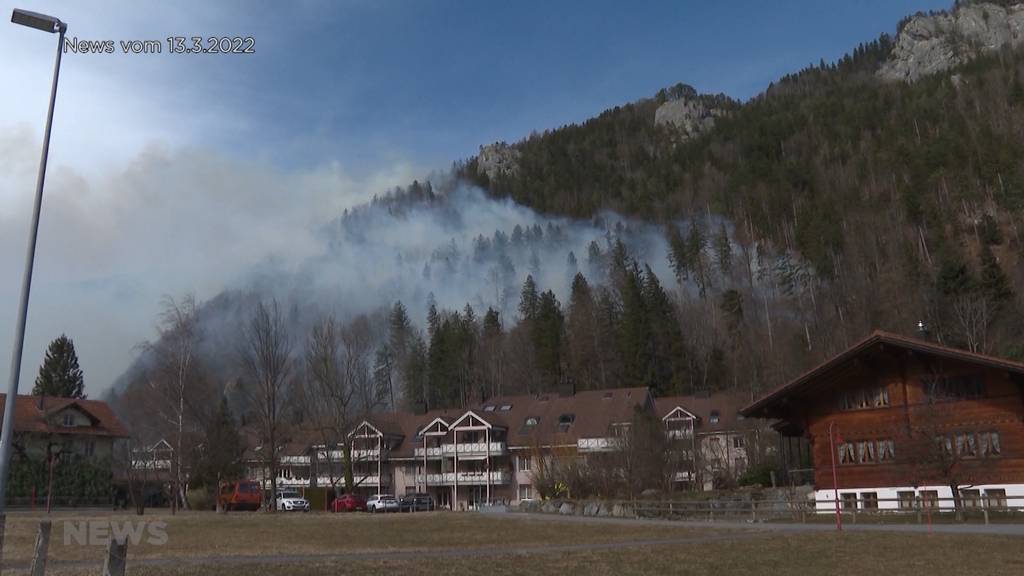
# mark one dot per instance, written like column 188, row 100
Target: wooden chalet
column 907, row 420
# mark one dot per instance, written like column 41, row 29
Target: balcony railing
column 465, row 478
column 598, row 444
column 365, row 454
column 679, row 434
column 465, row 449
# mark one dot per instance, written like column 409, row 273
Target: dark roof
column 726, row 404
column 31, row 417
column 876, row 340
column 593, row 412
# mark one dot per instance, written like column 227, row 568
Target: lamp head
column 38, row 21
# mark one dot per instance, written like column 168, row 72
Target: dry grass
column 460, row 543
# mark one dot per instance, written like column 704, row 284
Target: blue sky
column 172, row 173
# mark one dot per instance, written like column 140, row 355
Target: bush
column 200, row 499
column 756, row 475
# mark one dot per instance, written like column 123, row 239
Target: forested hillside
column 622, row 252
column 905, row 199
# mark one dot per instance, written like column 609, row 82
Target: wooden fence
column 878, row 510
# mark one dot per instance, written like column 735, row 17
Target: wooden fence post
column 41, row 550
column 117, row 558
column 3, row 523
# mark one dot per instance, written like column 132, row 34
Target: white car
column 289, row 500
column 382, row 503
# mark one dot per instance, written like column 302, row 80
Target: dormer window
column 505, row 407
column 489, row 408
column 565, row 422
column 713, row 418
column 68, row 420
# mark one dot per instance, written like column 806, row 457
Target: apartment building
column 711, row 437
column 489, row 451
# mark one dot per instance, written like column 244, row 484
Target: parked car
column 382, row 503
column 241, row 495
column 290, row 500
column 348, row 503
column 418, row 502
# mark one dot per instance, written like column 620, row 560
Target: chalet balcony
column 295, row 460
column 498, row 477
column 598, row 444
column 466, row 450
column 679, row 434
column 366, row 454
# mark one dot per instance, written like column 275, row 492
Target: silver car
column 382, row 503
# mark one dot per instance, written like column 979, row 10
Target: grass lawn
column 254, row 544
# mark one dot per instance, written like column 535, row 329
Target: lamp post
column 52, row 25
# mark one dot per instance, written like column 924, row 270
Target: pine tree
column 546, row 334
column 993, row 281
column 528, row 299
column 60, row 375
column 221, row 455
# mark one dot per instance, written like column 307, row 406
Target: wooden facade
column 906, row 413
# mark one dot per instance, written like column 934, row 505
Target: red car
column 348, row 503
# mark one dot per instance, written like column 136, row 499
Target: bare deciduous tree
column 266, row 358
column 175, row 379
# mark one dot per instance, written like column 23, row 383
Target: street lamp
column 53, row 25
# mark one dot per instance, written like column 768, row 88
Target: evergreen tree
column 667, row 364
column 528, row 299
column 59, row 374
column 546, row 333
column 220, row 455
column 993, row 282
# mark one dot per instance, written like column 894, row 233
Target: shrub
column 199, row 499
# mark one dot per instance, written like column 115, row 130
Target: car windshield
column 289, row 494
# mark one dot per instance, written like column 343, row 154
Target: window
column 621, row 429
column 713, row 417
column 505, row 407
column 995, row 498
column 849, row 500
column 565, row 422
column 873, row 397
column 989, row 443
column 489, row 408
column 866, row 452
column 68, row 420
column 737, row 441
column 961, row 387
column 523, row 463
column 930, row 498
column 965, row 445
column 886, row 451
column 869, row 500
column 970, row 498
column 607, row 395
column 90, row 448
column 525, row 492
column 529, row 424
column 944, row 445
column 906, row 500
column 846, row 453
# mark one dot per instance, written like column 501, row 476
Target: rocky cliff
column 930, row 43
column 498, row 158
column 689, row 116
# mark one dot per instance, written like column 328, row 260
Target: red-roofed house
column 84, row 427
